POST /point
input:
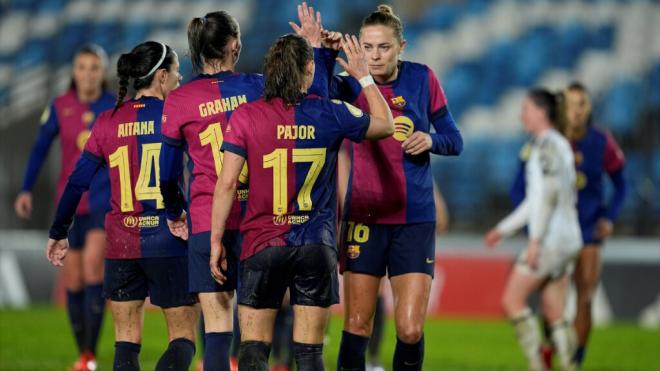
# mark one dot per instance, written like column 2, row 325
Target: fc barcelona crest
column 398, row 101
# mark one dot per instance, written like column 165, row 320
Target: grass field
column 40, row 339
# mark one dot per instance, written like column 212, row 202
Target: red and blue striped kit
column 196, row 115
column 129, row 143
column 291, row 152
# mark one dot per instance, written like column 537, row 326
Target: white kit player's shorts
column 553, row 263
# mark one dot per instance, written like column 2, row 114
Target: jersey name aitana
column 129, row 143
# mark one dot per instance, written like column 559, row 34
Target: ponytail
column 284, row 69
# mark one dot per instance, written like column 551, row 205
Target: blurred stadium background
column 486, row 54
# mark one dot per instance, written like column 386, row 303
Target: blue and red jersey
column 128, row 143
column 195, row 118
column 596, row 154
column 291, row 152
column 388, row 186
column 72, row 120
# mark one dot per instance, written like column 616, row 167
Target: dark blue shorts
column 82, row 224
column 199, row 254
column 589, row 234
column 309, row 272
column 163, row 280
column 394, row 249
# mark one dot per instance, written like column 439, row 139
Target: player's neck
column 217, row 68
column 387, row 79
column 576, row 133
column 88, row 96
column 151, row 92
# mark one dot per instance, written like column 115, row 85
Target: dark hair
column 208, row 37
column 97, row 51
column 553, row 105
column 284, row 68
column 141, row 65
column 577, row 86
column 384, row 15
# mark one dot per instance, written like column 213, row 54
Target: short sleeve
column 93, row 149
column 171, row 121
column 549, row 158
column 353, row 122
column 438, row 100
column 237, row 131
column 614, row 158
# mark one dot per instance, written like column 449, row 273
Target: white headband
column 162, row 58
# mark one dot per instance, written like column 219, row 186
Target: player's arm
column 78, row 183
column 447, row 139
column 381, row 123
column 171, row 171
column 614, row 166
column 542, row 195
column 223, row 200
column 47, row 133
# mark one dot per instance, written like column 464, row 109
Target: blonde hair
column 384, row 15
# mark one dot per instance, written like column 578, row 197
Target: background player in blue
column 389, row 219
column 71, row 116
column 596, row 153
column 143, row 257
column 290, row 143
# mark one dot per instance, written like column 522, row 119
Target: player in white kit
column 549, row 211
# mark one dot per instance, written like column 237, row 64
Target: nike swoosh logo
column 429, row 260
column 411, row 363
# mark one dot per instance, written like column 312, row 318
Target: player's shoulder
column 67, row 97
column 415, row 70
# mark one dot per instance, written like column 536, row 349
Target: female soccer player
column 143, row 257
column 596, row 153
column 290, row 143
column 550, row 214
column 389, row 223
column 196, row 119
column 72, row 115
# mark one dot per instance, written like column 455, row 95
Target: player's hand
column 532, row 257
column 23, row 205
column 492, row 238
column 357, row 65
column 56, row 251
column 310, row 25
column 218, row 261
column 179, row 227
column 604, row 228
column 331, row 39
column 419, row 142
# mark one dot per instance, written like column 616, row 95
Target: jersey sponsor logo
column 82, row 138
column 221, row 105
column 353, row 251
column 150, row 221
column 128, row 129
column 398, row 101
column 88, row 117
column 351, row 108
column 290, row 219
column 294, row 132
column 403, row 128
column 242, row 194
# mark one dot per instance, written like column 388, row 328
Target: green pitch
column 40, row 339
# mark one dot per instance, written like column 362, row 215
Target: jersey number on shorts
column 212, row 136
column 149, row 162
column 357, row 232
column 278, row 161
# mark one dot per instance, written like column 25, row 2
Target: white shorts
column 552, row 263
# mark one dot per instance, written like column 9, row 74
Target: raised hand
column 179, row 227
column 357, row 65
column 331, row 39
column 56, row 251
column 310, row 25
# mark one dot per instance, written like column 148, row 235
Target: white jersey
column 549, row 208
